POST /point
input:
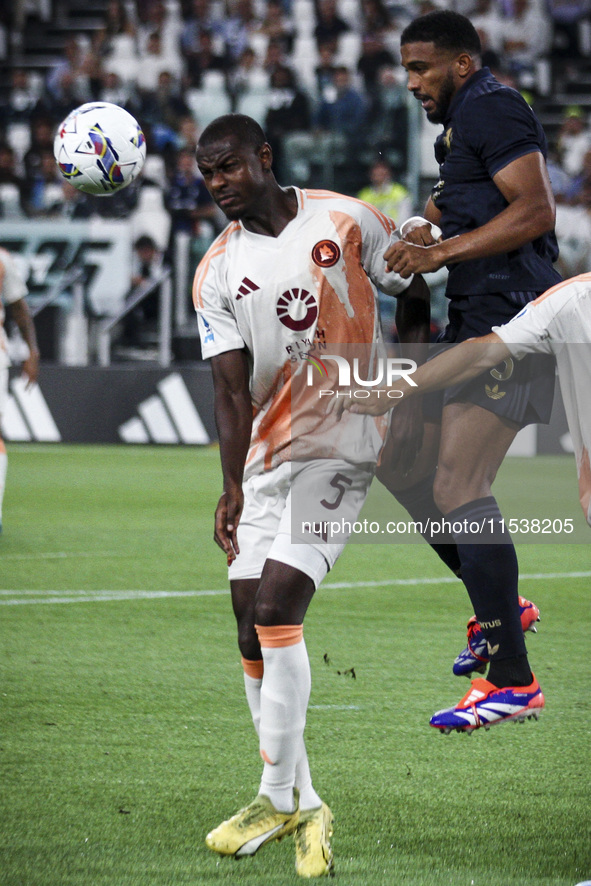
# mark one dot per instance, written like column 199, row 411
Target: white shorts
column 291, row 512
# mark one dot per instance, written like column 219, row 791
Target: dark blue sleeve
column 501, row 127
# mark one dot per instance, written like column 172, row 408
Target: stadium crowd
column 323, row 77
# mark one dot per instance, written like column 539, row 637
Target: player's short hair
column 247, row 131
column 446, row 30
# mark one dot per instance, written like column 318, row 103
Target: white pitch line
column 105, row 596
column 64, row 555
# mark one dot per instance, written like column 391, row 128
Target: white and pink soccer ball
column 99, row 148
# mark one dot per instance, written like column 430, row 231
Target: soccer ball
column 99, row 148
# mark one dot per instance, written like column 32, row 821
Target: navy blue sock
column 418, row 501
column 490, row 573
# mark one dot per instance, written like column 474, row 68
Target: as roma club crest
column 326, row 253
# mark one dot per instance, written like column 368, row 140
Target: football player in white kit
column 558, row 322
column 294, row 270
column 13, row 290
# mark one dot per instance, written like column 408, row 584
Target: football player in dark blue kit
column 494, row 205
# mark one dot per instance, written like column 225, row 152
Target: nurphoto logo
column 386, row 371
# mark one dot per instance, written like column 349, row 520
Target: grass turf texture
column 125, row 735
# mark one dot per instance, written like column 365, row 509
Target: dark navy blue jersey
column 488, row 126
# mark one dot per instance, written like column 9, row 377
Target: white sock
column 309, row 799
column 3, row 467
column 285, row 691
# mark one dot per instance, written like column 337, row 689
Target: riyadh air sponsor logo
column 297, row 309
column 27, row 417
column 169, row 416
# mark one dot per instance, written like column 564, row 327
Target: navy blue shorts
column 521, row 391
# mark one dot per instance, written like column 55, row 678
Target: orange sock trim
column 253, row 669
column 272, row 636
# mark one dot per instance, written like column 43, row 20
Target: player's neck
column 279, row 208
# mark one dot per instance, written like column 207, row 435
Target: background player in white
column 13, row 291
column 294, row 270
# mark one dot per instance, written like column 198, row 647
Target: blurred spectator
column 18, row 103
column 147, row 265
column 69, row 83
column 156, row 17
column 247, row 75
column 560, row 181
column 527, row 36
column 118, row 32
column 567, row 16
column 277, row 26
column 573, row 141
column 274, row 57
column 112, row 89
column 580, row 185
column 487, row 20
column 153, row 62
column 42, row 133
column 375, row 17
column 326, row 67
column 42, row 192
column 199, row 20
column 188, row 133
column 73, row 203
column 289, row 111
column 374, row 57
column 204, row 59
column 329, row 25
column 11, row 184
column 165, row 105
column 343, row 109
column 8, row 173
column 187, row 199
column 237, row 26
column 387, row 195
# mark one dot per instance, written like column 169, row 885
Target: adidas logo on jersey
column 245, row 288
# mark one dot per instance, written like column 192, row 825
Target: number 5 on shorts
column 341, row 483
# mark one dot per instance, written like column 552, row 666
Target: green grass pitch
column 125, row 735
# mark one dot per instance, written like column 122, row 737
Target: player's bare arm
column 22, row 317
column 233, row 415
column 458, row 364
column 530, row 213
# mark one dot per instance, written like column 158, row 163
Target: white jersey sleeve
column 559, row 315
column 218, row 328
column 14, row 287
column 379, row 232
column 528, row 332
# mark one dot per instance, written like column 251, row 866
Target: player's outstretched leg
column 475, row 656
column 486, row 705
column 253, row 826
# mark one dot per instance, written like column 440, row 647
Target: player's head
column 440, row 51
column 235, row 161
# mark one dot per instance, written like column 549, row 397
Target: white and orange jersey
column 559, row 323
column 284, row 298
column 13, row 289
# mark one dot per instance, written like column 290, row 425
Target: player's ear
column 464, row 65
column 266, row 156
